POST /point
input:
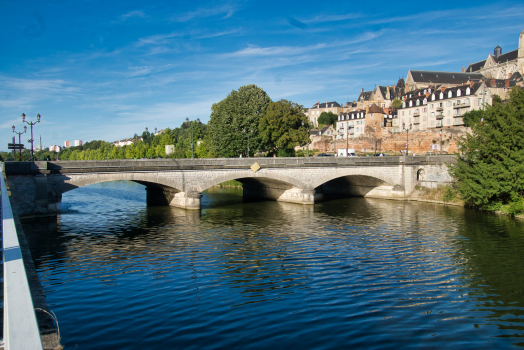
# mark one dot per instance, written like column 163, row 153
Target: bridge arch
column 77, row 180
column 353, row 172
column 248, row 174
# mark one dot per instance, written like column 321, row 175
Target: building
column 501, row 65
column 78, row 143
column 424, row 79
column 314, row 112
column 361, row 122
column 441, row 106
column 55, row 148
column 124, row 142
column 382, row 96
column 67, row 144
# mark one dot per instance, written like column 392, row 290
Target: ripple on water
column 353, row 273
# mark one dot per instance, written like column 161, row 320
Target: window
column 433, row 97
column 459, row 92
column 449, row 121
column 411, row 103
column 448, row 104
column 432, row 122
column 449, row 112
column 450, row 94
column 418, row 102
column 410, row 112
column 441, row 95
column 480, row 102
column 402, row 113
column 466, row 100
column 432, row 114
column 424, row 109
column 425, row 101
column 403, row 104
column 431, row 106
column 468, row 91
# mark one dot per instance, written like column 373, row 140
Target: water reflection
column 357, row 273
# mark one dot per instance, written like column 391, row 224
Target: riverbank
column 449, row 196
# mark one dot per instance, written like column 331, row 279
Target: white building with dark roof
column 314, row 112
column 441, row 106
column 423, row 79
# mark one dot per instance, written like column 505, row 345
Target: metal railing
column 20, row 326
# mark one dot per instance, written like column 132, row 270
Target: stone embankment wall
column 420, row 142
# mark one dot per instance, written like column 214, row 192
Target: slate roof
column 508, row 56
column 329, row 105
column 401, row 84
column 365, row 95
column 423, row 76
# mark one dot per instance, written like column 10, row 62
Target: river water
column 347, row 273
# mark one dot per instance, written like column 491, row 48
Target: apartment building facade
column 441, row 106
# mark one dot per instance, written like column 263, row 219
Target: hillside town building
column 501, row 65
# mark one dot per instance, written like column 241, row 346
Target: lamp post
column 341, row 133
column 307, row 141
column 347, row 141
column 440, row 120
column 246, row 131
column 151, row 143
column 407, row 135
column 31, row 124
column 192, row 149
column 19, row 142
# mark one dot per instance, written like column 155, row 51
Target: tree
column 491, row 173
column 281, row 128
column 472, row 117
column 328, row 118
column 396, row 103
column 240, row 110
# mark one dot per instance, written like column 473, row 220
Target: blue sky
column 105, row 70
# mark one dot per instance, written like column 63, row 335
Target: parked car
column 325, row 155
column 380, row 155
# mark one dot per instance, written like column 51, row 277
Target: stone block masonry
column 38, row 187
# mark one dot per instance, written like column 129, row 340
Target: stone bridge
column 36, row 187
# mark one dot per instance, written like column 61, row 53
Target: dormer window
column 425, row 101
column 411, row 103
column 441, row 95
column 403, row 104
column 450, row 94
column 468, row 91
column 459, row 92
column 418, row 102
column 433, row 97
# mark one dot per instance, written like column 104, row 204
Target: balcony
column 457, row 114
column 440, row 109
column 458, row 122
column 461, row 105
column 416, row 114
column 416, row 120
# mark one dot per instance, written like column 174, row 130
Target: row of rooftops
column 439, row 93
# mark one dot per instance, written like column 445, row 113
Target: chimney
column 427, row 94
column 388, row 95
column 442, row 88
column 509, row 75
column 471, row 83
column 493, row 82
column 362, row 90
column 507, row 82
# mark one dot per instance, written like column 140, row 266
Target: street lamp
column 19, row 142
column 440, row 120
column 407, row 135
column 31, row 124
column 341, row 133
column 248, row 140
column 192, row 149
column 307, row 143
column 151, row 143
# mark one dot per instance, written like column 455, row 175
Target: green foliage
column 396, row 103
column 450, row 194
column 281, row 128
column 492, row 168
column 231, row 183
column 240, row 110
column 328, row 118
column 473, row 117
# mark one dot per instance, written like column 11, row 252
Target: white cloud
column 131, row 14
column 226, row 10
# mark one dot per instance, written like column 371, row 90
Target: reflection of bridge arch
column 248, row 174
column 353, row 172
column 142, row 178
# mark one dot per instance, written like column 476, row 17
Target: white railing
column 20, row 327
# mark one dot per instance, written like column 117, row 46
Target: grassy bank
column 231, row 183
column 448, row 194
